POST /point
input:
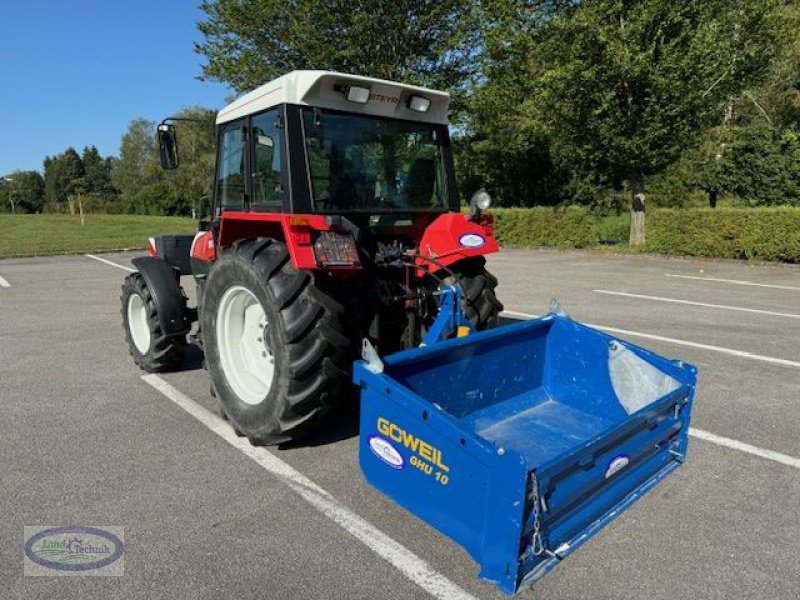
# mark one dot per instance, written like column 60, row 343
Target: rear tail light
column 151, row 247
column 334, row 249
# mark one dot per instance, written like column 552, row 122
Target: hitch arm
column 451, row 320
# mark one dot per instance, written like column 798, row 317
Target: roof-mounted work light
column 356, row 93
column 419, row 103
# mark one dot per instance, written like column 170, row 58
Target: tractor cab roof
column 327, row 89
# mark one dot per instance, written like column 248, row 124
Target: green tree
column 60, row 174
column 249, row 42
column 156, row 198
column 22, row 191
column 762, row 165
column 97, row 174
column 138, row 176
column 618, row 89
column 776, row 100
column 191, row 183
column 137, row 166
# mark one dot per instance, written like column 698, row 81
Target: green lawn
column 37, row 235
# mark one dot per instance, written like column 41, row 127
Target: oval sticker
column 616, row 465
column 471, row 240
column 74, row 548
column 385, row 450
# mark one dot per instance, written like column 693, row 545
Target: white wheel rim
column 137, row 323
column 247, row 361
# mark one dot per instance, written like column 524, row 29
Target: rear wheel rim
column 138, row 323
column 246, row 359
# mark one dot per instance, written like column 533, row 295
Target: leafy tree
column 428, row 42
column 60, row 174
column 776, row 100
column 156, row 198
column 138, row 176
column 762, row 166
column 618, row 89
column 137, row 166
column 97, row 174
column 22, row 191
column 191, row 183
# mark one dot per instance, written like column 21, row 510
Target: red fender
column 453, row 236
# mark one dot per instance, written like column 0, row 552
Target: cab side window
column 267, row 142
column 230, row 192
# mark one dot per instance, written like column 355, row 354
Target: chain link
column 537, row 546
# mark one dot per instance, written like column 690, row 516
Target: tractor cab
column 317, row 142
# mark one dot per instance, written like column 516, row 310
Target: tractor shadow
column 510, row 320
column 192, row 360
column 342, row 425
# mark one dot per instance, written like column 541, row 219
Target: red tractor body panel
column 293, row 230
column 452, row 237
column 445, row 238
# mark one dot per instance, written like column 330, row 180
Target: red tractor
column 335, row 218
column 336, row 226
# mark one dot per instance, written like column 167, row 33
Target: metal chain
column 537, row 546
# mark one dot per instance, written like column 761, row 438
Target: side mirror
column 480, row 201
column 168, row 146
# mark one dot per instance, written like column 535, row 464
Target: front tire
column 151, row 349
column 480, row 300
column 274, row 344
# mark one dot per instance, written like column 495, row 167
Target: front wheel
column 273, row 342
column 150, row 348
column 480, row 300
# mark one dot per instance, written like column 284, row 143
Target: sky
column 75, row 73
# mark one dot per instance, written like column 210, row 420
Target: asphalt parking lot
column 85, row 439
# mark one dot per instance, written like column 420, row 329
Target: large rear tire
column 274, row 343
column 151, row 349
column 481, row 304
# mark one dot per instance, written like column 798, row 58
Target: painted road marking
column 108, row 262
column 705, row 304
column 660, row 338
column 742, row 447
column 408, row 563
column 4, row 282
column 734, row 281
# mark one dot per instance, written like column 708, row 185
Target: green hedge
column 749, row 233
column 571, row 227
column 746, row 233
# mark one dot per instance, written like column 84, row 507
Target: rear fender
column 452, row 237
column 162, row 279
column 296, row 231
column 174, row 250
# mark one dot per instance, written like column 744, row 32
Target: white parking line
column 705, row 304
column 4, row 282
column 408, row 563
column 108, row 262
column 742, row 447
column 734, row 281
column 660, row 338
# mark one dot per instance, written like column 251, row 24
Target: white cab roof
column 316, row 88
